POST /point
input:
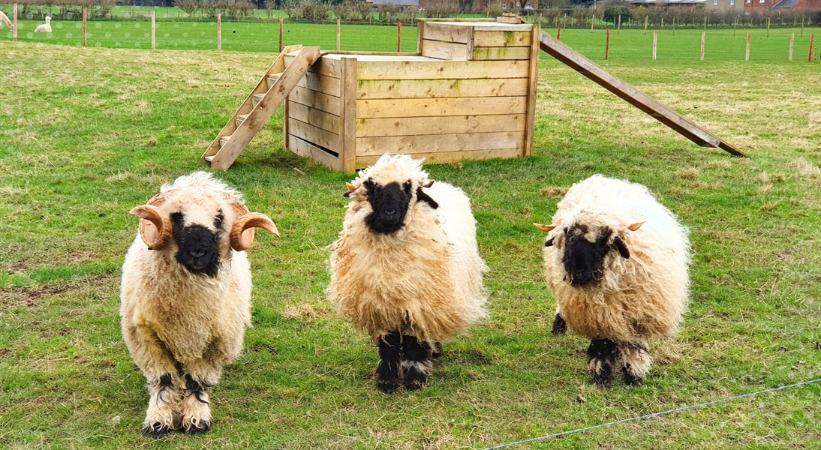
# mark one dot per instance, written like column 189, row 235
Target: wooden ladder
column 273, row 88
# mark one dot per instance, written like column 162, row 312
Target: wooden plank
column 445, row 32
column 420, row 33
column 318, row 100
column 500, row 53
column 316, row 117
column 348, row 154
column 632, row 95
column 308, row 150
column 527, row 146
column 449, row 157
column 490, row 87
column 429, row 143
column 412, row 107
column 437, row 70
column 482, row 38
column 445, row 50
column 320, row 83
column 315, row 135
column 324, row 66
column 406, row 126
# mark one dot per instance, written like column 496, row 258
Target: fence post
column 280, row 33
column 398, row 36
column 606, row 44
column 645, row 23
column 338, row 35
column 811, row 52
column 14, row 23
column 792, row 46
column 768, row 27
column 802, row 26
column 85, row 26
column 153, row 29
column 219, row 31
column 747, row 50
column 662, row 23
column 701, row 52
column 618, row 27
column 655, row 44
column 705, row 21
column 559, row 34
column 592, row 20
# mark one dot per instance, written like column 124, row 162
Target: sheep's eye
column 407, row 186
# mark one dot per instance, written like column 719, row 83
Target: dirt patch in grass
column 30, row 297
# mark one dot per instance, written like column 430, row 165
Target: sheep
column 185, row 296
column 406, row 267
column 44, row 27
column 617, row 263
column 4, row 19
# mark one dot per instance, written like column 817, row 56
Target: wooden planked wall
column 443, row 111
column 315, row 114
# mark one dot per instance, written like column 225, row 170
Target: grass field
column 86, row 135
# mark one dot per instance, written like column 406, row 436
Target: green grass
column 87, row 134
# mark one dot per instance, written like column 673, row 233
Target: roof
column 397, row 2
column 668, row 2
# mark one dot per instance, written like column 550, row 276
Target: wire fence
column 673, row 46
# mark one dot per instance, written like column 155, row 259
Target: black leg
column 559, row 325
column 387, row 372
column 416, row 362
column 601, row 356
column 437, row 351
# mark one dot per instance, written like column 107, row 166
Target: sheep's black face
column 584, row 260
column 198, row 247
column 390, row 205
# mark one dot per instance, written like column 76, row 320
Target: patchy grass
column 88, row 134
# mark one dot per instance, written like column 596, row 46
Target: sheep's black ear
column 621, row 247
column 549, row 242
column 422, row 197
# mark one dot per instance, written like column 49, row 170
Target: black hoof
column 155, row 430
column 437, row 351
column 415, row 379
column 631, row 379
column 199, row 428
column 602, row 375
column 559, row 325
column 387, row 386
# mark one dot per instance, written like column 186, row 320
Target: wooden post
column 802, row 26
column 606, row 44
column 811, row 52
column 153, row 29
column 792, row 46
column 338, row 35
column 618, row 27
column 219, row 31
column 592, row 21
column 768, row 27
column 747, row 51
column 348, row 93
column 655, row 44
column 559, row 34
column 705, row 22
column 646, row 20
column 398, row 36
column 662, row 23
column 701, row 52
column 85, row 26
column 280, row 33
column 14, row 23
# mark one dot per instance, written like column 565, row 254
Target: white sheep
column 406, row 267
column 185, row 296
column 44, row 27
column 617, row 263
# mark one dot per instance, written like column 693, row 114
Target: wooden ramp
column 633, row 96
column 273, row 88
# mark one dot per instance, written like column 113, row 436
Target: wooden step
column 241, row 118
column 224, row 140
column 210, row 158
column 272, row 78
column 258, row 98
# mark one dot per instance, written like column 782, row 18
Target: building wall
column 725, row 5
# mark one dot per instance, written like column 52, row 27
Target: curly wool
column 426, row 278
column 641, row 297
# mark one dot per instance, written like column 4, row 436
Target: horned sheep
column 617, row 263
column 406, row 267
column 185, row 296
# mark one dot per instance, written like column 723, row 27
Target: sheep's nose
column 390, row 212
column 197, row 253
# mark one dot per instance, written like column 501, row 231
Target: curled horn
column 242, row 232
column 545, row 228
column 155, row 229
column 426, row 183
